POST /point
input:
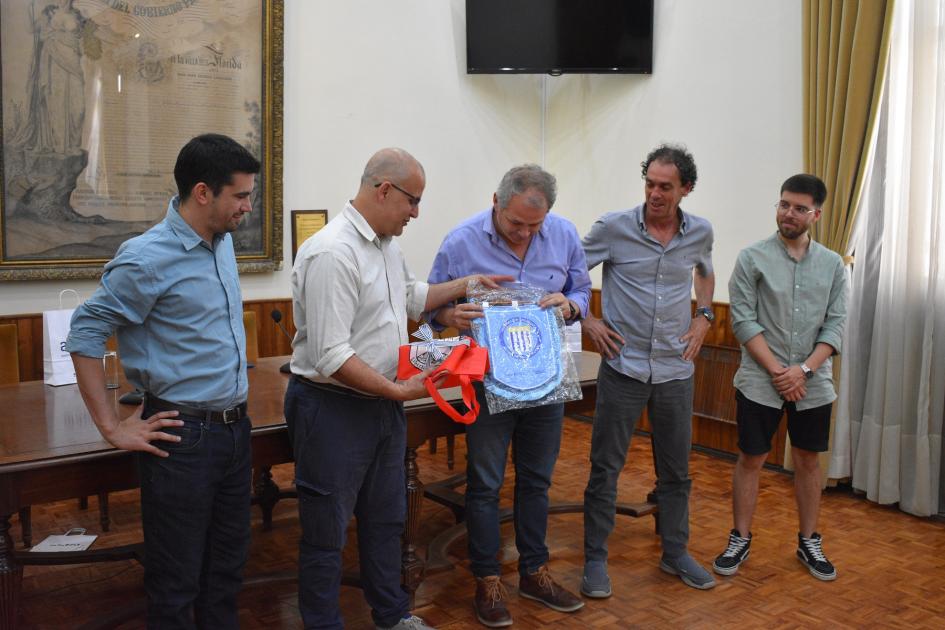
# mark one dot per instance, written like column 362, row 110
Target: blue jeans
column 620, row 402
column 195, row 512
column 349, row 460
column 535, row 435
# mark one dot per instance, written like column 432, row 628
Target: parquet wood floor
column 891, row 565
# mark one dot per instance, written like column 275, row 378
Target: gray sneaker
column 412, row 622
column 689, row 571
column 596, row 582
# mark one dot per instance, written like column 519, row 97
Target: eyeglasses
column 414, row 201
column 783, row 207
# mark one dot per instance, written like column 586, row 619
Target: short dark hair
column 211, row 158
column 806, row 184
column 674, row 154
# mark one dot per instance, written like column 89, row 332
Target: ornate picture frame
column 96, row 99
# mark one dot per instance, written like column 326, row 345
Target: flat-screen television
column 559, row 36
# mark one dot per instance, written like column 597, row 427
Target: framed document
column 99, row 96
column 304, row 224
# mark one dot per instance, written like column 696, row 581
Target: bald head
column 391, row 164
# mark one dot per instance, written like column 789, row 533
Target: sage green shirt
column 795, row 305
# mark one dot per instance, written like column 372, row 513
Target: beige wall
column 362, row 74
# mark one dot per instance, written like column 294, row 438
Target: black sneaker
column 810, row 551
column 737, row 552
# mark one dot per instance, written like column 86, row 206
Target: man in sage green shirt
column 788, row 305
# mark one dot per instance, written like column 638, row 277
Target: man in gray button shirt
column 653, row 255
column 788, row 298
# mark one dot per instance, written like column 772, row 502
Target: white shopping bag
column 57, row 364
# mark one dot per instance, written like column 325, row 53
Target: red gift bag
column 463, row 365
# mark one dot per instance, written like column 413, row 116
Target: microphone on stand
column 276, row 316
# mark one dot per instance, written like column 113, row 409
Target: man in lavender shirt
column 517, row 236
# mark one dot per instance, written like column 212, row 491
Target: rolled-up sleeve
column 578, row 286
column 329, row 338
column 439, row 273
column 743, row 299
column 596, row 244
column 704, row 264
column 831, row 333
column 126, row 295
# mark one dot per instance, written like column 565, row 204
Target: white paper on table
column 73, row 540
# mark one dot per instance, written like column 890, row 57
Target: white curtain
column 889, row 421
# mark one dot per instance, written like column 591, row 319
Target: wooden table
column 50, row 450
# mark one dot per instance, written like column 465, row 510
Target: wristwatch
column 706, row 311
column 573, row 314
column 808, row 373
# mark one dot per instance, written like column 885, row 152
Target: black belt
column 335, row 389
column 224, row 416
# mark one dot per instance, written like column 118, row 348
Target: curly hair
column 674, row 154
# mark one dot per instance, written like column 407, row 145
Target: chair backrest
column 9, row 355
column 252, row 341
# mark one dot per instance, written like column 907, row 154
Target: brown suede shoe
column 490, row 602
column 541, row 587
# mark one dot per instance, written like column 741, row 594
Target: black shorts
column 809, row 429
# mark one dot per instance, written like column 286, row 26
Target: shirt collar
column 683, row 218
column 188, row 237
column 360, row 224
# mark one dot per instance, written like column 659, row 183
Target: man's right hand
column 133, row 434
column 603, row 337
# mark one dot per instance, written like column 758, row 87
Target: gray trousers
column 620, row 402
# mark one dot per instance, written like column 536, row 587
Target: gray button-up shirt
column 647, row 290
column 795, row 305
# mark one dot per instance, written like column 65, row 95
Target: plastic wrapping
column 529, row 363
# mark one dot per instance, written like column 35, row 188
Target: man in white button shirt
column 352, row 294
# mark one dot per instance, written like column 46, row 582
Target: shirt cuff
column 92, row 346
column 332, row 360
column 417, row 300
column 830, row 338
column 744, row 331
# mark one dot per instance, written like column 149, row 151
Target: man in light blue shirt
column 788, row 296
column 653, row 256
column 173, row 296
column 518, row 237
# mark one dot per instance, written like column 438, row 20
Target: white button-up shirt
column 351, row 294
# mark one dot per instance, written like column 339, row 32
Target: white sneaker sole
column 824, row 577
column 688, row 581
column 730, row 570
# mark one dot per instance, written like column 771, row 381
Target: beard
column 792, row 232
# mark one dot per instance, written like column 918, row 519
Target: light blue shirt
column 647, row 289
column 176, row 305
column 554, row 260
column 795, row 305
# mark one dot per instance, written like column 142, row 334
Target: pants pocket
column 319, row 514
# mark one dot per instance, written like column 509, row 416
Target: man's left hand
column 694, row 337
column 559, row 300
column 790, row 379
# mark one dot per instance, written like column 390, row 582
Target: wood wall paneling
column 713, row 400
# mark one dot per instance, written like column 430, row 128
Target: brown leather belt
column 224, row 416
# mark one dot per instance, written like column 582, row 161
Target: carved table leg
column 411, row 565
column 267, row 495
column 26, row 526
column 103, row 516
column 11, row 577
